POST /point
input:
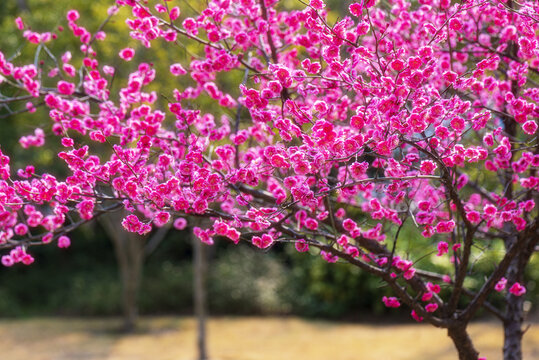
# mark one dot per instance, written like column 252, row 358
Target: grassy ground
column 167, row 338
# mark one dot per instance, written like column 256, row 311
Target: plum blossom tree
column 335, row 136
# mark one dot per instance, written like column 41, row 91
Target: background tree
column 130, row 250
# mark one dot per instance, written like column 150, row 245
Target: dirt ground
column 244, row 338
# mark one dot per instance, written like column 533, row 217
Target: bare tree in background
column 130, row 250
column 199, row 295
column 23, row 5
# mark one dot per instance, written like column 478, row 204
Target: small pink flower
column 177, row 69
column 174, row 13
column 443, row 248
column 435, row 288
column 530, row 127
column 27, row 259
column 397, row 65
column 7, row 261
column 349, row 225
column 317, row 4
column 517, row 289
column 19, row 23
column 64, row 242
column 427, row 167
column 21, row 229
column 329, row 257
column 427, row 296
column 431, row 307
column 356, row 9
column 262, row 242
column 67, row 142
column 391, row 302
column 180, row 224
column 47, row 238
column 73, row 15
column 161, row 218
column 445, row 226
column 131, row 223
column 127, row 54
column 86, row 209
column 473, row 216
column 455, row 24
column 311, row 224
column 233, row 235
column 500, row 285
column 65, row 88
column 416, row 317
column 321, row 106
column 302, row 246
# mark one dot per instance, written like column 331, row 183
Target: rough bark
column 462, row 342
column 514, row 311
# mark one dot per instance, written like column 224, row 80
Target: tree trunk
column 514, row 311
column 129, row 251
column 200, row 296
column 132, row 274
column 22, row 5
column 512, row 328
column 462, row 342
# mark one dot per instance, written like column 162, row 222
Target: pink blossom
column 161, row 218
column 356, row 9
column 65, row 88
column 517, row 289
column 317, row 4
column 428, row 167
column 349, row 225
column 19, row 23
column 435, row 288
column 263, row 241
column 47, row 238
column 445, row 226
column 127, row 54
column 427, row 296
column 72, row 15
column 180, row 224
column 391, row 302
column 416, row 317
column 64, row 242
column 329, row 257
column 301, row 245
column 473, row 216
column 27, row 259
column 131, row 223
column 500, row 285
column 174, row 13
column 177, row 69
column 21, row 229
column 530, row 127
column 443, row 248
column 234, row 235
column 455, row 24
column 7, row 261
column 311, row 224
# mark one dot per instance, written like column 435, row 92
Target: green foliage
column 243, row 280
column 314, row 288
